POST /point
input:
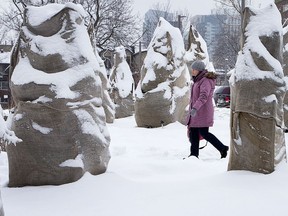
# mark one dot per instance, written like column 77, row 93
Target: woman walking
column 201, row 110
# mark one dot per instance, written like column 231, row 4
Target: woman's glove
column 193, row 112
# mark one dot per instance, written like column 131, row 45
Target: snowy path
column 147, row 177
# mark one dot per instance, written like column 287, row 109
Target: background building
column 5, row 96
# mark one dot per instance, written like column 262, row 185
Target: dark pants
column 204, row 132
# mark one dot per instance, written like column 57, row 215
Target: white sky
column 194, row 7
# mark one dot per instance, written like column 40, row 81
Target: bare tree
column 112, row 21
column 226, row 51
column 10, row 22
column 228, row 41
column 235, row 5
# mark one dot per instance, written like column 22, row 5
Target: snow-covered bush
column 108, row 105
column 285, row 70
column 122, row 85
column 258, row 88
column 162, row 93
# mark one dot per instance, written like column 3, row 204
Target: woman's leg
column 194, row 140
column 213, row 140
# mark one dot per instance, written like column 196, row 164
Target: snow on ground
column 147, row 177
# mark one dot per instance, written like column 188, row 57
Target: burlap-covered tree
column 122, row 85
column 285, row 70
column 108, row 105
column 162, row 93
column 58, row 100
column 258, row 88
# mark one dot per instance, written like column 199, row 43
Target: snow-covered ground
column 147, row 177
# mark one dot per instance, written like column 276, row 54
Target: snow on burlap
column 162, row 93
column 258, row 88
column 285, row 71
column 108, row 105
column 57, row 93
column 122, row 85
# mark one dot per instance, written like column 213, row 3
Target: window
column 4, row 85
column 5, row 98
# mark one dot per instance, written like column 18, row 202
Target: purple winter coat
column 201, row 99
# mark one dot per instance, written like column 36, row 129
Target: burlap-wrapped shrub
column 285, row 70
column 57, row 91
column 108, row 105
column 162, row 93
column 258, row 88
column 122, row 85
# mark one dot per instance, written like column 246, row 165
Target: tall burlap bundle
column 122, row 85
column 108, row 105
column 162, row 93
column 285, row 70
column 258, row 88
column 57, row 91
